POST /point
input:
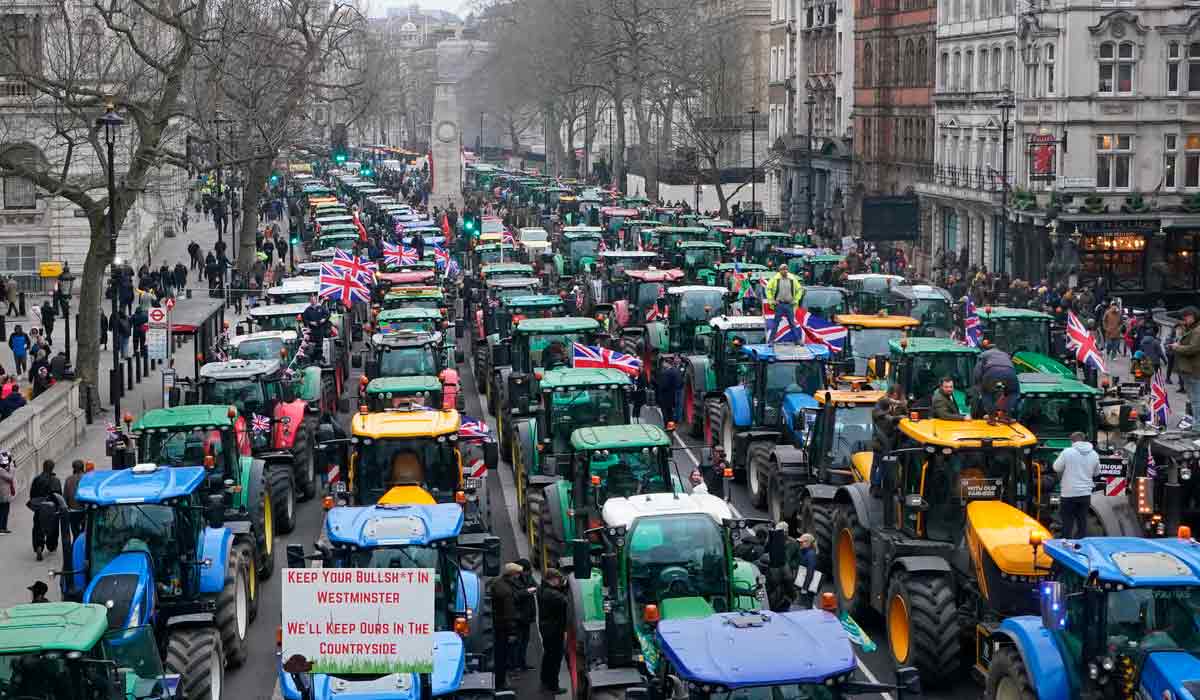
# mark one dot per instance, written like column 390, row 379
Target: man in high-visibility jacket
column 785, row 292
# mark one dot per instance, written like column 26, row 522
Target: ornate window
column 1116, row 68
column 1114, row 158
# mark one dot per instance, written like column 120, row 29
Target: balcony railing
column 11, row 88
column 969, row 178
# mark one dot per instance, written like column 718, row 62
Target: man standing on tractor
column 944, row 406
column 886, row 416
column 997, row 385
column 785, row 292
column 316, row 319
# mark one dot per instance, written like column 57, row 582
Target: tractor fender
column 820, row 492
column 284, row 436
column 310, row 384
column 1116, row 516
column 215, row 543
column 78, row 580
column 699, row 366
column 921, row 565
column 470, row 593
column 1040, row 654
column 252, row 480
column 621, row 312
column 589, row 625
column 450, row 388
column 525, row 431
column 558, row 502
column 868, row 509
column 738, row 401
column 790, row 461
column 201, row 619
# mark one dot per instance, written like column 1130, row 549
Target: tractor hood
column 689, row 608
column 861, row 463
column 1029, row 361
column 310, row 385
column 1176, row 671
column 448, row 665
column 793, row 403
column 407, row 495
column 1002, row 532
column 125, row 586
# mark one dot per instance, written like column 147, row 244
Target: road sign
column 169, row 303
column 158, row 317
column 370, row 621
column 156, row 342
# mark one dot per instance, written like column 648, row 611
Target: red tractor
column 281, row 426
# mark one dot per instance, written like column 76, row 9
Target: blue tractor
column 155, row 552
column 1120, row 618
column 798, row 655
column 412, row 536
column 775, row 383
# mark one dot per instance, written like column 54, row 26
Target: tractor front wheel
column 756, row 472
column 714, row 416
column 535, row 503
column 1007, row 678
column 783, row 496
column 233, row 612
column 243, row 551
column 817, row 518
column 921, row 625
column 283, row 497
column 195, row 654
column 262, row 522
column 851, row 560
column 553, row 546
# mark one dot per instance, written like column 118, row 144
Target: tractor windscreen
column 134, row 648
column 1027, row 334
column 445, row 578
column 546, row 350
column 824, row 302
column 407, row 362
column 866, row 343
column 785, row 378
column 852, row 432
column 583, row 248
column 384, row 463
column 346, row 244
column 929, row 369
column 246, row 394
column 403, row 302
column 154, row 529
column 971, row 474
column 416, row 326
column 1059, row 416
column 578, row 407
column 700, row 257
column 934, row 313
column 648, row 293
column 678, row 556
column 290, row 297
column 54, row 676
column 778, row 692
column 258, row 349
column 701, row 305
column 283, row 322
column 761, row 247
column 628, row 472
column 1150, row 619
column 184, row 447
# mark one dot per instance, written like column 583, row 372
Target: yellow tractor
column 865, row 354
column 942, row 551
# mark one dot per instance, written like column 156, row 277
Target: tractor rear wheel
column 629, row 346
column 692, row 416
column 1007, row 677
column 302, row 459
column 783, row 497
column 553, row 546
column 195, row 654
column 726, row 442
column 714, row 416
column 504, row 428
column 817, row 518
column 482, row 638
column 233, row 612
column 243, row 551
column 922, row 626
column 756, row 473
column 535, row 503
column 283, row 497
column 262, row 523
column 851, row 560
column 479, row 364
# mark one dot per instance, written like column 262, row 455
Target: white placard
column 156, row 343
column 359, row 621
column 814, row 586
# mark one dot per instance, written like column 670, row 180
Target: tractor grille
column 118, row 589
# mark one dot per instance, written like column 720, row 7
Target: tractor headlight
column 1185, row 473
column 1093, row 671
column 1106, row 663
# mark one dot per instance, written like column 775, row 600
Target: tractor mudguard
column 700, row 375
column 868, row 508
column 77, row 580
column 790, row 461
column 559, row 506
column 793, row 404
column 470, row 592
column 310, row 385
column 449, row 663
column 1040, row 654
column 1116, row 515
column 284, row 436
column 587, row 606
column 633, row 332
column 202, row 619
column 615, row 678
column 525, row 432
column 821, row 492
column 273, row 455
column 738, row 401
column 745, row 575
column 921, row 564
column 450, row 388
column 620, row 310
column 214, row 546
column 658, row 336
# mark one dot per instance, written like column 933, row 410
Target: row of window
column 891, row 67
column 867, row 8
column 959, row 71
column 968, row 10
column 826, row 117
column 904, row 139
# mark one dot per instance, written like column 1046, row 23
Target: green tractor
column 930, row 305
column 714, row 366
column 495, row 293
column 498, row 325
column 580, row 247
column 412, row 354
column 63, row 651
column 919, row 364
column 604, row 461
column 535, row 343
column 689, row 308
column 564, row 400
column 1025, row 334
column 417, row 320
column 698, row 260
column 760, row 246
column 662, row 556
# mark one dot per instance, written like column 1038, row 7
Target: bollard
column 153, row 366
column 21, row 302
column 3, row 329
column 129, row 373
column 137, row 368
column 115, row 385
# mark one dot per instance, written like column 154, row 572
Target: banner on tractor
column 365, row 621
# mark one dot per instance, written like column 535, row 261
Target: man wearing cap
column 504, row 621
column 38, row 592
column 552, row 624
column 1187, row 357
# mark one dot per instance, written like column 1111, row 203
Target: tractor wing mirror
column 295, row 556
column 491, row 454
column 1053, row 607
column 581, row 559
column 214, row 510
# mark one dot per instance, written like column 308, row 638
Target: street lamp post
column 1006, row 106
column 481, row 136
column 658, row 158
column 810, row 102
column 66, row 285
column 110, row 121
column 218, row 120
column 753, row 167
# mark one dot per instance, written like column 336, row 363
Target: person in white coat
column 1077, row 467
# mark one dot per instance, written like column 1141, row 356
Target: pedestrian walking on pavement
column 10, row 293
column 1187, row 357
column 181, row 275
column 504, row 621
column 183, row 220
column 526, row 593
column 48, row 319
column 19, row 343
column 44, row 495
column 196, row 260
column 8, row 489
column 74, row 511
column 552, row 625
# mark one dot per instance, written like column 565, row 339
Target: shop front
column 1143, row 260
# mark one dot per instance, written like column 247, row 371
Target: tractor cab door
column 906, row 507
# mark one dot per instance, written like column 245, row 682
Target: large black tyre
column 783, row 497
column 302, row 458
column 233, row 612
column 505, row 426
column 195, row 653
column 714, row 416
column 535, row 503
column 483, row 637
column 553, row 547
column 629, row 346
column 817, row 518
column 851, row 552
column 1007, row 673
column 243, row 550
column 757, row 472
column 922, row 625
column 480, row 363
column 283, row 497
column 262, row 520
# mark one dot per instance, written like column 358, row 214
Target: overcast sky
column 458, row 7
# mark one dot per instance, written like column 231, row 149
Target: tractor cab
column 1165, row 479
column 760, row 246
column 502, row 270
column 930, row 305
column 419, row 536
column 338, row 237
column 580, row 247
column 634, row 299
column 777, row 382
column 871, row 292
column 698, row 260
column 869, row 337
column 665, row 216
column 277, row 317
column 65, row 651
column 630, row 236
column 838, row 435
column 688, row 308
column 397, row 392
column 734, row 276
column 404, row 278
column 418, row 320
column 536, row 242
column 404, row 354
column 826, row 302
column 816, row 268
column 919, row 364
column 254, row 387
column 670, row 237
column 425, row 267
column 264, row 345
column 488, row 253
column 616, row 263
column 402, row 455
column 1024, row 334
column 951, row 522
column 293, row 290
column 736, row 238
column 418, row 297
column 515, row 308
column 497, row 291
column 613, row 218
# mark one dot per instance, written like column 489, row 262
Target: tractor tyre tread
column 235, row 647
column 933, row 625
column 265, row 547
column 243, row 550
column 304, row 460
column 283, row 498
column 192, row 652
column 535, row 502
column 553, row 548
column 819, row 521
column 714, row 417
column 759, row 462
column 1007, row 663
column 846, row 518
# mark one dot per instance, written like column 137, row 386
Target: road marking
column 870, row 676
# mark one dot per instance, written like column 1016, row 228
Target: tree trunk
column 256, row 178
column 91, row 286
column 646, row 151
column 618, row 164
column 589, row 134
column 715, row 170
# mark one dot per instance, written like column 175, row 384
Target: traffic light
column 294, row 237
column 470, row 225
column 366, row 171
column 339, row 158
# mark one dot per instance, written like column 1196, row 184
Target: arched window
column 922, row 62
column 969, row 71
column 910, row 61
column 868, row 57
column 943, row 77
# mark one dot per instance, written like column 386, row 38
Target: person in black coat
column 552, row 624
column 45, row 506
column 181, row 275
column 504, row 621
column 668, row 383
column 526, row 590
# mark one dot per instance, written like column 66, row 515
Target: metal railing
column 970, row 178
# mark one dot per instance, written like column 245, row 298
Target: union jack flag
column 342, row 285
column 361, row 268
column 972, row 330
column 1151, row 467
column 1084, row 343
column 472, row 429
column 1160, row 410
column 818, row 330
column 399, row 254
column 441, row 256
column 507, row 237
column 260, row 424
column 592, row 357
